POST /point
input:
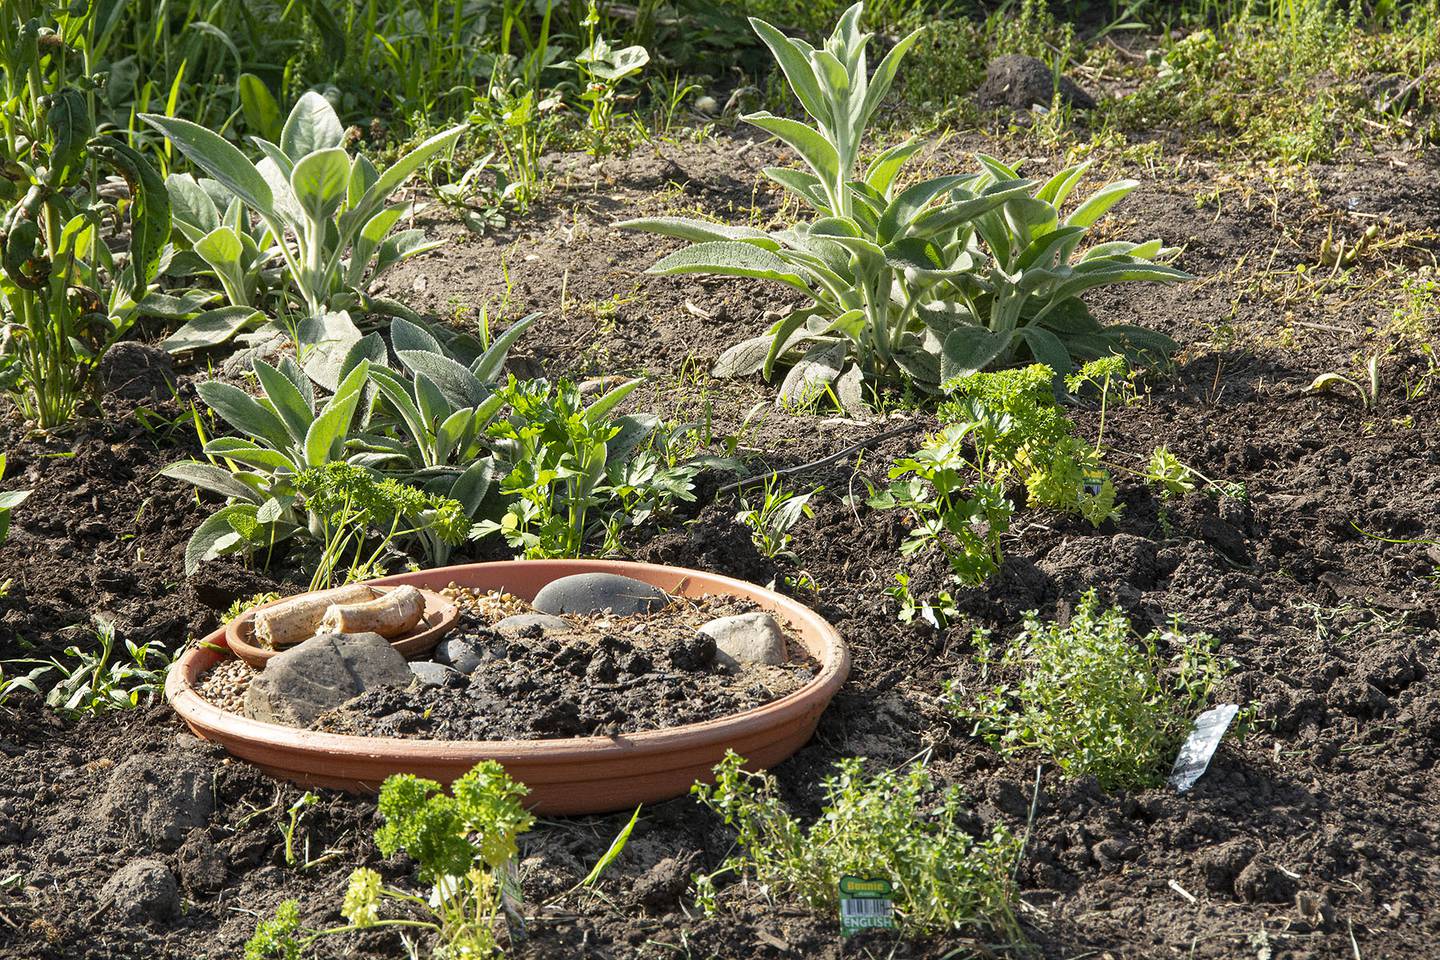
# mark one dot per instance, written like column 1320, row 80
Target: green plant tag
column 865, row 905
column 1094, row 482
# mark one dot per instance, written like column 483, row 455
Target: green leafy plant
column 602, row 68
column 771, row 520
column 243, row 604
column 1028, row 436
column 330, row 211
column 352, row 504
column 1368, row 391
column 463, row 844
column 439, row 415
column 955, row 498
column 940, row 280
column 9, row 500
column 215, row 235
column 95, row 681
column 1090, row 695
column 936, row 611
column 890, row 826
column 578, row 476
column 1167, row 472
column 65, row 296
column 285, row 432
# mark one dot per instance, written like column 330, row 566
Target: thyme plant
column 890, row 825
column 1091, row 695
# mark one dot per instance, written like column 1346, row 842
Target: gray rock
column 303, row 682
column 586, row 593
column 158, row 798
column 431, row 674
column 521, row 625
column 142, row 890
column 202, row 868
column 747, row 638
column 1020, row 82
column 458, row 652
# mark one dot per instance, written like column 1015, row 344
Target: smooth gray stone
column 519, row 624
column 303, row 682
column 747, row 638
column 432, row 674
column 588, row 593
column 462, row 654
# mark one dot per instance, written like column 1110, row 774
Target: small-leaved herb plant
column 1029, row 438
column 463, row 843
column 1091, row 695
column 362, row 515
column 954, row 492
column 894, row 825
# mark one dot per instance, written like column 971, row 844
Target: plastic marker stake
column 1200, row 746
column 865, row 904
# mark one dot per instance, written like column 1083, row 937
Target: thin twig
column 815, row 464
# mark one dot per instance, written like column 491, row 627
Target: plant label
column 1200, row 746
column 865, row 905
column 1094, row 483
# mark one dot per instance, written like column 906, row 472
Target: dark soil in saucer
column 608, row 676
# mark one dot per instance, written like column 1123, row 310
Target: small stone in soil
column 462, row 653
column 527, row 625
column 589, row 593
column 432, row 674
column 747, row 638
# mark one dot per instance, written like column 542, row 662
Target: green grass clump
column 1089, row 697
column 890, row 826
column 1298, row 83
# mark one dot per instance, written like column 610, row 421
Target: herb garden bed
column 1225, row 531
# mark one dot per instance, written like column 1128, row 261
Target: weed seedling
column 771, row 520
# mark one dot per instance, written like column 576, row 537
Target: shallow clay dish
column 574, row 776
column 439, row 617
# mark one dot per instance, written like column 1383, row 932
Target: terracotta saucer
column 569, row 776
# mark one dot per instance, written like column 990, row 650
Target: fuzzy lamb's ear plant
column 284, row 432
column 440, row 414
column 331, row 210
column 1025, row 296
column 835, row 87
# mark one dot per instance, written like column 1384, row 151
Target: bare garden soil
column 1316, row 836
